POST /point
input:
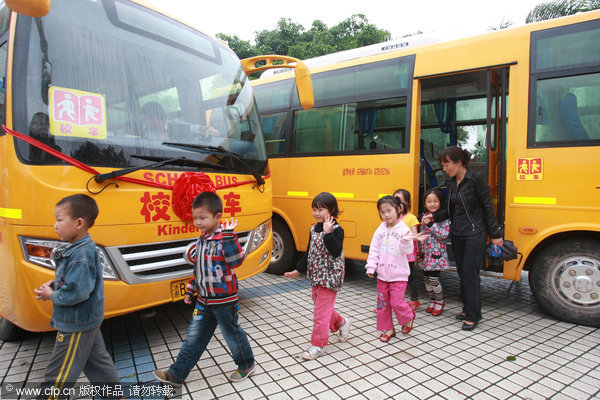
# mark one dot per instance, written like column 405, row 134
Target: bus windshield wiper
column 158, row 162
column 220, row 150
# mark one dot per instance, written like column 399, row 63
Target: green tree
column 503, row 25
column 356, row 31
column 292, row 39
column 560, row 8
column 242, row 48
column 279, row 40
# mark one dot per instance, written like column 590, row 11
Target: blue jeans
column 201, row 329
column 469, row 254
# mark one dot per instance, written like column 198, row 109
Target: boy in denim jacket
column 218, row 253
column 77, row 292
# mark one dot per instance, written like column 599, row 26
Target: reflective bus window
column 371, row 81
column 321, row 129
column 568, row 109
column 276, row 95
column 274, row 130
column 3, row 58
column 564, row 97
column 377, row 125
column 4, row 18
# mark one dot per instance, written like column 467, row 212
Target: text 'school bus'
column 140, row 111
column 525, row 101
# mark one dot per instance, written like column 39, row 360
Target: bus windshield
column 171, row 84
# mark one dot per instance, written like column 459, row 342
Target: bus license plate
column 178, row 289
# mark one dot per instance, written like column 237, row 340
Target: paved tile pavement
column 516, row 352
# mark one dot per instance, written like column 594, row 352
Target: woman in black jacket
column 470, row 209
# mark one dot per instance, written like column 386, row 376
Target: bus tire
column 565, row 280
column 284, row 249
column 8, row 330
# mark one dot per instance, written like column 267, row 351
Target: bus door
column 497, row 96
column 468, row 110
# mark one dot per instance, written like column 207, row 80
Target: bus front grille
column 158, row 261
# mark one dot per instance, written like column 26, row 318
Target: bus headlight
column 39, row 252
column 259, row 235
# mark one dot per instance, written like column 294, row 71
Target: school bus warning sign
column 77, row 113
column 530, row 169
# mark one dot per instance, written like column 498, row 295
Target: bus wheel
column 283, row 249
column 565, row 280
column 8, row 330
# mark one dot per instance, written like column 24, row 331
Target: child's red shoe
column 414, row 305
column 407, row 327
column 439, row 307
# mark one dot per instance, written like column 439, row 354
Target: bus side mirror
column 31, row 8
column 303, row 78
column 304, row 85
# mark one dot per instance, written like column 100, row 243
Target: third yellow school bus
column 525, row 101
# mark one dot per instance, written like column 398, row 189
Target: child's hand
column 370, row 275
column 187, row 299
column 229, row 225
column 409, row 236
column 328, row 224
column 427, row 218
column 421, row 237
column 291, row 275
column 44, row 292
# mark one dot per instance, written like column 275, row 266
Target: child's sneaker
column 241, row 374
column 166, row 377
column 313, row 352
column 345, row 329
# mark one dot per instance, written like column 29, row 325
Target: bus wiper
column 184, row 162
column 158, row 162
column 220, row 150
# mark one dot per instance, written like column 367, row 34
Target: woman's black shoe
column 461, row 316
column 469, row 327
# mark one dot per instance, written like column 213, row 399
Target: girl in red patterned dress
column 432, row 251
column 323, row 262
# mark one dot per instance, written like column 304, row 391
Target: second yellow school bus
column 525, row 101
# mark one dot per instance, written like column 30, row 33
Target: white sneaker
column 345, row 329
column 313, row 352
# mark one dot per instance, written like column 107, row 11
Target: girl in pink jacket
column 390, row 246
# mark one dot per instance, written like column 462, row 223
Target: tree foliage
column 560, row 8
column 292, row 39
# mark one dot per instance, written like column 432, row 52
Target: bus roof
column 404, row 45
column 359, row 52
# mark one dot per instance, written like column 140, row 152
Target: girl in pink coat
column 390, row 246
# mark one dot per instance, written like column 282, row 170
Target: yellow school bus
column 525, row 101
column 140, row 111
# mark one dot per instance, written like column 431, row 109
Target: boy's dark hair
column 455, row 154
column 394, row 202
column 406, row 194
column 328, row 201
column 210, row 200
column 438, row 192
column 81, row 206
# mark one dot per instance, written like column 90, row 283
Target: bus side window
column 274, row 131
column 319, row 129
column 566, row 110
column 381, row 126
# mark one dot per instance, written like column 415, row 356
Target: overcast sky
column 400, row 17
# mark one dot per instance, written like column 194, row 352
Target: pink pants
column 390, row 297
column 325, row 317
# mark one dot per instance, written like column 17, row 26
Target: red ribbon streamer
column 92, row 171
